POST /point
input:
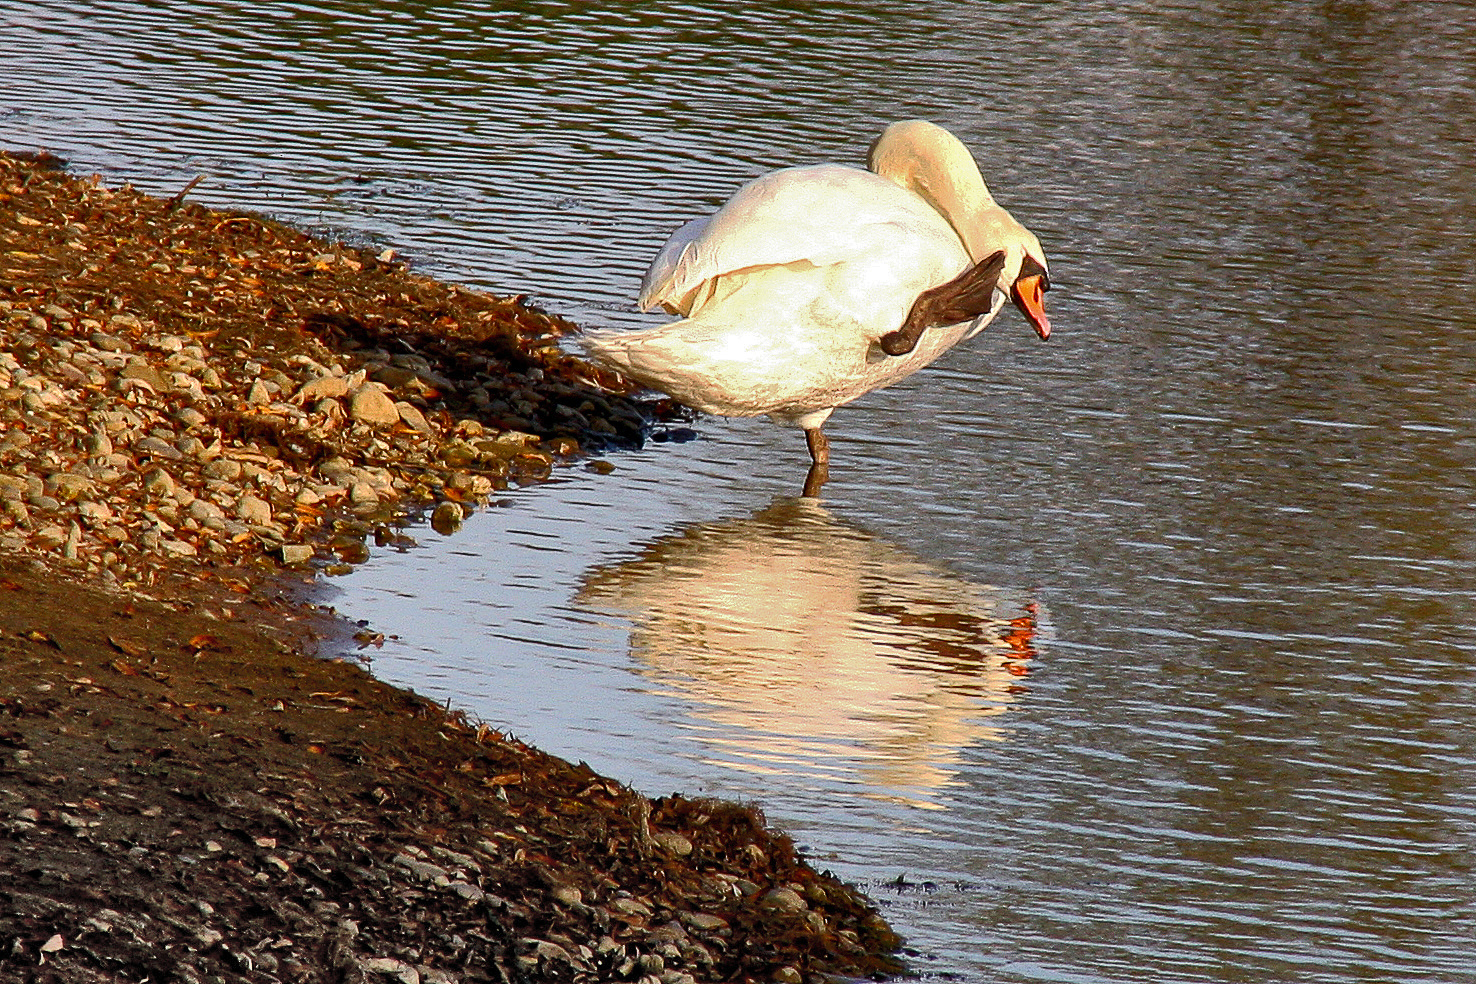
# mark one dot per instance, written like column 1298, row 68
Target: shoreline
column 198, row 410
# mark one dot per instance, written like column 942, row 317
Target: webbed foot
column 963, row 298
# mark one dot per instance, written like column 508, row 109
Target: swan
column 814, row 285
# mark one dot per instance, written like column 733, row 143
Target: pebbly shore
column 199, row 412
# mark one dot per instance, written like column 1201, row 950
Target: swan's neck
column 933, row 164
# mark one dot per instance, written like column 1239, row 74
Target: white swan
column 794, row 292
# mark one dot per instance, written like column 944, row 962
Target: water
column 1233, row 493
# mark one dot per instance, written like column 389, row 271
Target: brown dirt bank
column 189, row 400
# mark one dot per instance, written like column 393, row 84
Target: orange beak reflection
column 1028, row 293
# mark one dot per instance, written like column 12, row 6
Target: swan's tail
column 618, row 351
column 707, row 367
column 656, row 357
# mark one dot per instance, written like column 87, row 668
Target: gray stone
column 422, row 869
column 389, row 967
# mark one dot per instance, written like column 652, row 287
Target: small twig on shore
column 178, row 198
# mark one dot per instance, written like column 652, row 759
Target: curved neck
column 933, row 164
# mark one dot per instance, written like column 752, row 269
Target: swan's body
column 787, row 291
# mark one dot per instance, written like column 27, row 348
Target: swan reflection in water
column 810, row 646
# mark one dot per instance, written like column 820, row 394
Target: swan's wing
column 659, row 276
column 818, row 215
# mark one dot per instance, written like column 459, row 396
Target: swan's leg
column 963, row 298
column 819, row 462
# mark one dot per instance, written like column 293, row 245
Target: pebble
column 783, row 900
column 296, row 553
column 370, row 405
column 225, row 469
column 156, row 447
column 411, row 417
column 109, row 343
column 390, row 967
column 704, row 922
column 67, row 487
column 158, row 483
column 324, row 387
column 95, row 513
column 447, row 518
column 99, row 445
column 363, row 494
column 254, row 511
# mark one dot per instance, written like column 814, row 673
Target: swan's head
column 932, row 163
column 1026, row 277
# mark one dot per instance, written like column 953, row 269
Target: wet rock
column 447, row 517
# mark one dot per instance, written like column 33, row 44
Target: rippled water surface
column 1144, row 654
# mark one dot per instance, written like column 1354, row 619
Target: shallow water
column 1144, row 654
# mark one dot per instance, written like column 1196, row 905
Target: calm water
column 1234, row 492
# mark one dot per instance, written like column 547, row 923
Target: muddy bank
column 196, row 409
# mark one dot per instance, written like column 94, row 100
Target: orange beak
column 1028, row 293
